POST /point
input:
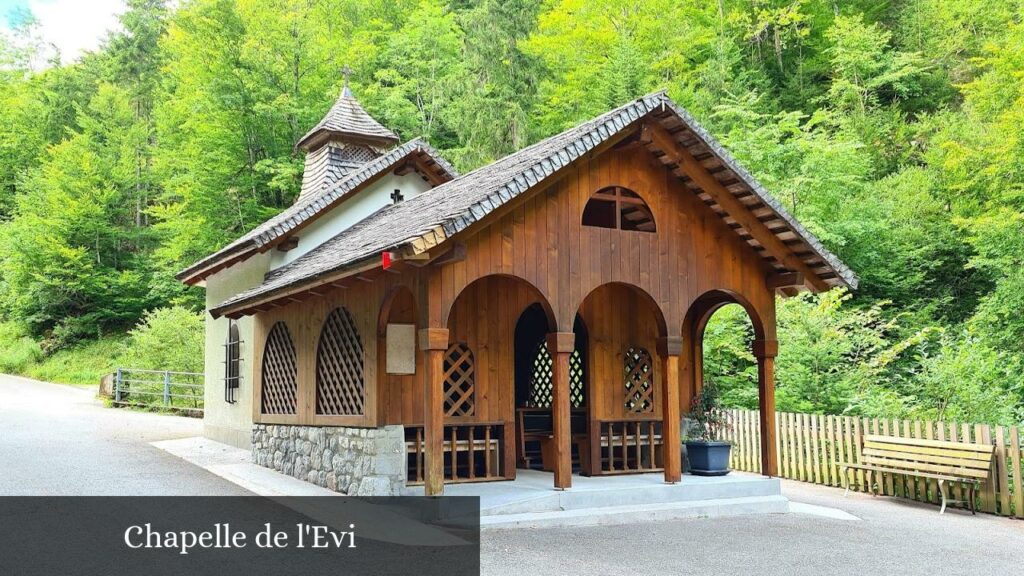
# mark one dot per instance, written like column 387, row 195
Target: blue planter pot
column 708, row 458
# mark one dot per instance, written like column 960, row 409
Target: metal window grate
column 232, row 363
column 339, row 366
column 279, row 372
column 639, row 381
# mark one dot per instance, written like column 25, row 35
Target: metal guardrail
column 161, row 389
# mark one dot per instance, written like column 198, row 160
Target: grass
column 80, row 365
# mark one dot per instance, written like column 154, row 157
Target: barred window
column 232, row 363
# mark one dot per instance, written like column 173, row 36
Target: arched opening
column 340, row 389
column 278, row 389
column 624, row 325
column 478, row 380
column 534, row 378
column 727, row 356
column 727, row 342
column 399, row 392
column 618, row 208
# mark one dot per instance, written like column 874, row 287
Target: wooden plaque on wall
column 401, row 348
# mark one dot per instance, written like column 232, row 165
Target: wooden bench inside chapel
column 946, row 462
column 535, row 442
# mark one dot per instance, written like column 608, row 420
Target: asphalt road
column 59, row 441
column 893, row 537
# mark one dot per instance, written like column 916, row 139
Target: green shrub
column 167, row 339
column 17, row 349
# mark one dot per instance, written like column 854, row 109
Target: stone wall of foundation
column 353, row 461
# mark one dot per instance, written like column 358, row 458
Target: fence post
column 117, row 386
column 167, row 388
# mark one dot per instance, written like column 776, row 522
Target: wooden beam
column 433, row 343
column 457, row 253
column 669, row 350
column 289, row 243
column 656, row 135
column 560, row 346
column 782, row 280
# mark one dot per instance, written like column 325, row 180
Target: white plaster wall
column 350, row 211
column 223, row 422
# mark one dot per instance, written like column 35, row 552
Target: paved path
column 58, row 440
column 892, row 537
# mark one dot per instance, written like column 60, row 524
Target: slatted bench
column 962, row 462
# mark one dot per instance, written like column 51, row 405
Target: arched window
column 339, row 366
column 618, row 208
column 459, row 381
column 278, row 374
column 232, row 361
column 639, row 380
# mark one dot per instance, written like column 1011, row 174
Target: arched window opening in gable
column 340, row 389
column 279, row 372
column 618, row 208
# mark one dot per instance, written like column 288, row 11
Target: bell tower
column 346, row 138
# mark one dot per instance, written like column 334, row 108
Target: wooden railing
column 472, row 452
column 809, row 445
column 626, row 446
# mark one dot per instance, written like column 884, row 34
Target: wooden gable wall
column 543, row 253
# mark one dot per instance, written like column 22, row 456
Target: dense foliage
column 891, row 128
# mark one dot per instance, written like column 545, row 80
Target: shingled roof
column 307, row 208
column 440, row 213
column 348, row 118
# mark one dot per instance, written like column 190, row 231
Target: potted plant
column 706, row 454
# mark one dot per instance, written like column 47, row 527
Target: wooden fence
column 809, row 445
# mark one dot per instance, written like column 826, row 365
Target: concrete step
column 612, row 515
column 638, row 495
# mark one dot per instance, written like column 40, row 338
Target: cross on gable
column 397, row 196
column 345, row 73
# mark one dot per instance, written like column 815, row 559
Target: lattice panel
column 459, row 381
column 278, row 374
column 639, row 375
column 577, row 384
column 339, row 367
column 542, row 378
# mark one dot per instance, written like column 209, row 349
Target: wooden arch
column 764, row 348
column 531, row 292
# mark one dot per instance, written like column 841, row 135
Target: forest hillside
column 892, row 129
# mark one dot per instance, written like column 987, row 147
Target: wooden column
column 433, row 342
column 766, row 351
column 560, row 346
column 669, row 350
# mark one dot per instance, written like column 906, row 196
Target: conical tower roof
column 348, row 120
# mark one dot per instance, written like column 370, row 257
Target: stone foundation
column 353, row 461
